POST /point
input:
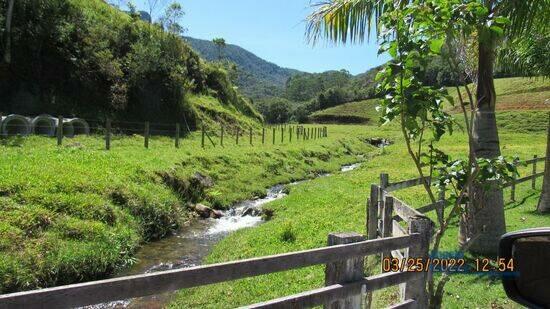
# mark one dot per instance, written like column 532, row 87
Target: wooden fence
column 382, row 205
column 344, row 276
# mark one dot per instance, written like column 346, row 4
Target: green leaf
column 435, row 45
column 496, row 29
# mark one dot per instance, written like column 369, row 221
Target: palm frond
column 525, row 16
column 342, row 21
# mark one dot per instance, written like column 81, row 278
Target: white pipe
column 15, row 125
column 80, row 126
column 43, row 125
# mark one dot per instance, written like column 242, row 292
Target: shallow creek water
column 187, row 247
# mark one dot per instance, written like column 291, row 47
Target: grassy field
column 336, row 204
column 517, row 94
column 78, row 212
column 354, row 112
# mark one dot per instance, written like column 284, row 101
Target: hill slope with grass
column 520, row 101
column 90, row 60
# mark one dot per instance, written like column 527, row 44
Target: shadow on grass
column 513, row 205
column 15, row 141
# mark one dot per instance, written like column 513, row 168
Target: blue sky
column 274, row 31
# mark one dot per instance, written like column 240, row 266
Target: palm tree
column 341, row 21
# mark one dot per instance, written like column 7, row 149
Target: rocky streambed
column 187, row 247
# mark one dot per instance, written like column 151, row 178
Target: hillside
column 354, row 112
column 519, row 100
column 97, row 62
column 257, row 77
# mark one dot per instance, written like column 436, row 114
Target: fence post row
column 177, row 142
column 107, row 134
column 344, row 271
column 146, row 135
column 59, row 130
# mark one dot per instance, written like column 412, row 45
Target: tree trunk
column 483, row 222
column 544, row 201
column 9, row 17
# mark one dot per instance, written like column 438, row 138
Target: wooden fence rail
column 155, row 283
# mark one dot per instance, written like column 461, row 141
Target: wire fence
column 211, row 135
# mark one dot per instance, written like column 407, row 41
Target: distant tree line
column 88, row 59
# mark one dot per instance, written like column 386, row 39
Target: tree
column 351, row 20
column 7, row 32
column 544, row 201
column 220, row 44
column 171, row 18
column 153, row 6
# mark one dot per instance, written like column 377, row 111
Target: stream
column 187, row 247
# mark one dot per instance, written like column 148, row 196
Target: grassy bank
column 521, row 103
column 78, row 212
column 325, row 205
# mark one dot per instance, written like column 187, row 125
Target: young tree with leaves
column 493, row 20
column 170, row 21
column 412, row 33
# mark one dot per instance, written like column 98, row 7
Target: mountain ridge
column 257, row 77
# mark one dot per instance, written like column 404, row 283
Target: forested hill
column 88, row 59
column 256, row 77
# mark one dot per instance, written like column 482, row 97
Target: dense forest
column 86, row 58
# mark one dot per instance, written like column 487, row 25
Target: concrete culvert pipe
column 44, row 125
column 80, row 126
column 15, row 125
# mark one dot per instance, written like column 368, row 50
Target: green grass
column 529, row 95
column 337, row 204
column 354, row 112
column 78, row 212
column 517, row 93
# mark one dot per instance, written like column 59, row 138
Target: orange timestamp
column 455, row 265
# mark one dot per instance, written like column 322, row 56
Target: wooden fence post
column 221, row 136
column 60, row 131
column 107, row 134
column 146, row 135
column 416, row 289
column 534, row 180
column 282, row 134
column 274, row 136
column 202, row 136
column 250, row 133
column 177, row 142
column 237, row 137
column 372, row 213
column 345, row 271
column 513, row 189
column 290, row 134
column 263, row 135
column 387, row 223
